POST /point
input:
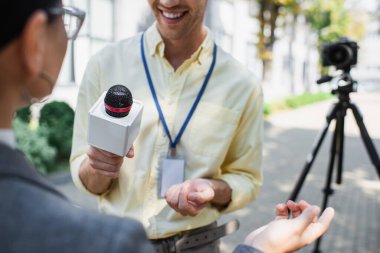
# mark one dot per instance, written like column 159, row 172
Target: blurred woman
column 34, row 216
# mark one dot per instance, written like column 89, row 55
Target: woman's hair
column 15, row 14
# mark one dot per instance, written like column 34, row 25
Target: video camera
column 343, row 54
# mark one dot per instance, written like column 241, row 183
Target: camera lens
column 340, row 56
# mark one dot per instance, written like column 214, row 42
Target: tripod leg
column 333, row 152
column 311, row 156
column 366, row 138
column 340, row 144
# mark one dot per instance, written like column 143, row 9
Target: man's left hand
column 191, row 196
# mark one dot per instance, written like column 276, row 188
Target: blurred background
column 279, row 41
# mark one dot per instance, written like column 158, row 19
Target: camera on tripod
column 343, row 54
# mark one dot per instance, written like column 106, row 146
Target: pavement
column 289, row 136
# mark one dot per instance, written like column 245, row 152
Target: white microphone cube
column 112, row 134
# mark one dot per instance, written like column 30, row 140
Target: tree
column 328, row 18
column 268, row 14
column 293, row 10
column 331, row 20
column 267, row 17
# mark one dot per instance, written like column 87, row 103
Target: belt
column 194, row 238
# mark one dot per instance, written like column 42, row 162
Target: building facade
column 233, row 24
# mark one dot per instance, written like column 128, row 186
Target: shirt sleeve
column 242, row 167
column 246, row 249
column 89, row 92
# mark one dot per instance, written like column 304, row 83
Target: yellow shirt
column 223, row 139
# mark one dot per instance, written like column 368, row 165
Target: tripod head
column 345, row 84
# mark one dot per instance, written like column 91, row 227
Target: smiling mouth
column 173, row 16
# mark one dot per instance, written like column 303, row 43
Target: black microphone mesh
column 118, row 97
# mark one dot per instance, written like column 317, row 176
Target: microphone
column 114, row 120
column 118, row 101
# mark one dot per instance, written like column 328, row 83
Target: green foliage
column 329, row 19
column 48, row 145
column 24, row 114
column 305, row 99
column 295, row 102
column 58, row 118
column 33, row 143
column 267, row 109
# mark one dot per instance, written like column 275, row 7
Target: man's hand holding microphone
column 114, row 122
column 100, row 168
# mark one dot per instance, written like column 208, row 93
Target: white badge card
column 172, row 172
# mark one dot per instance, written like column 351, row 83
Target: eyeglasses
column 73, row 19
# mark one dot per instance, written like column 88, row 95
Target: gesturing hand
column 191, row 196
column 288, row 235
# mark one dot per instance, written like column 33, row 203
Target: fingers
column 294, row 208
column 201, row 197
column 184, row 207
column 105, row 169
column 131, row 152
column 189, row 197
column 102, row 155
column 176, row 197
column 104, row 163
column 303, row 205
column 281, row 211
column 172, row 196
column 320, row 227
column 306, row 218
column 297, row 208
column 327, row 216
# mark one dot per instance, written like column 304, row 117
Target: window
column 97, row 31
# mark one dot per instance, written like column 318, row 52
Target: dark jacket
column 35, row 218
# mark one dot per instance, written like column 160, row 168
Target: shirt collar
column 156, row 45
column 8, row 138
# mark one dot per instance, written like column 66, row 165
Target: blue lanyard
column 153, row 91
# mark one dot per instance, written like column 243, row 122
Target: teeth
column 172, row 15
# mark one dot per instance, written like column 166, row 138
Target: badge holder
column 172, row 172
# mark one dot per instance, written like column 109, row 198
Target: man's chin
column 171, row 34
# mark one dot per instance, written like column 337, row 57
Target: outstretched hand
column 290, row 234
column 190, row 197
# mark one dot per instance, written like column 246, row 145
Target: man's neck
column 178, row 51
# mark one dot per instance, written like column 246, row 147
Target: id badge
column 172, row 172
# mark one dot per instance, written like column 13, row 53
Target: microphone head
column 118, row 101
